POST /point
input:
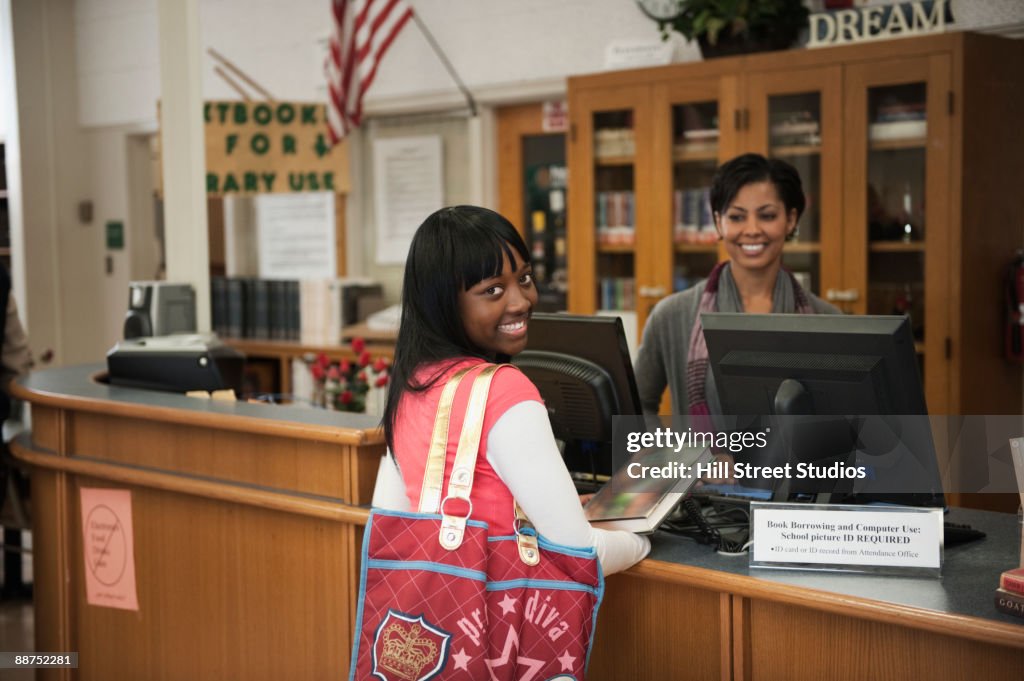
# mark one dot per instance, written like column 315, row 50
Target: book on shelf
column 894, row 130
column 1009, row 602
column 1013, row 581
column 641, row 504
column 796, row 128
column 701, row 134
column 694, row 148
column 901, row 111
column 800, row 140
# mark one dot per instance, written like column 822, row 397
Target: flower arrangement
column 345, row 385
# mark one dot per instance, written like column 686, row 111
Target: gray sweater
column 661, row 359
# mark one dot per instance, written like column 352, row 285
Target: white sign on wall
column 295, row 233
column 408, row 186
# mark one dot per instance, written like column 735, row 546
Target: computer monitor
column 861, row 368
column 581, row 367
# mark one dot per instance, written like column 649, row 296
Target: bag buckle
column 453, row 527
column 526, row 540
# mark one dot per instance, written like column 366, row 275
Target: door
column 532, row 178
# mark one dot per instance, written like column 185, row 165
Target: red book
column 1009, row 602
column 1012, row 580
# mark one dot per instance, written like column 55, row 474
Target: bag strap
column 460, row 484
column 433, row 472
column 529, row 552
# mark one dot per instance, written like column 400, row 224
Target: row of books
column 615, row 209
column 312, row 311
column 618, row 293
column 691, row 216
column 795, row 128
column 615, row 215
column 610, row 142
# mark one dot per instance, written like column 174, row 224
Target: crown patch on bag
column 408, row 648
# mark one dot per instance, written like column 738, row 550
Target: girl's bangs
column 481, row 255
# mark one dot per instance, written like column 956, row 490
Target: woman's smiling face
column 755, row 226
column 496, row 311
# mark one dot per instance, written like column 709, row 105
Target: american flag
column 363, row 31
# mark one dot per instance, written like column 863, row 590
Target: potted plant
column 728, row 27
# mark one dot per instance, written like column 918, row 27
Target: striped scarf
column 697, row 356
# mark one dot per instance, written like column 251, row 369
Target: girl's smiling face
column 496, row 311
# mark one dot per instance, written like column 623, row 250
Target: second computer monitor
column 861, row 368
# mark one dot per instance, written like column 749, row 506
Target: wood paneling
column 278, row 462
column 655, row 630
column 796, row 644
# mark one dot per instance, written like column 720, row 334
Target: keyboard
column 959, row 533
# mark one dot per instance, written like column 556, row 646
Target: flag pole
column 447, row 64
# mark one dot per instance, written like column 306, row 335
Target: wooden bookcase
column 919, row 131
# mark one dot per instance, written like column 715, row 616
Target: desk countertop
column 970, row 572
column 76, row 387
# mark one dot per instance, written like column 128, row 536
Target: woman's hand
column 584, row 498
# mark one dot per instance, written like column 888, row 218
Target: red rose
column 381, row 381
column 358, row 344
column 380, row 365
column 362, row 377
column 346, row 397
column 322, row 360
column 364, row 359
column 346, row 366
column 318, row 372
column 333, row 373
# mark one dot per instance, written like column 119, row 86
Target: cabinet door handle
column 652, row 291
column 842, row 295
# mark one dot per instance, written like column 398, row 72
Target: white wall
column 88, row 77
column 491, row 43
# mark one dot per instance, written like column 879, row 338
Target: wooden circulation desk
column 247, row 529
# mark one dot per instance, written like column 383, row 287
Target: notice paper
column 845, row 537
column 407, row 177
column 108, row 548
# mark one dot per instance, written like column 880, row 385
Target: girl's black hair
column 454, row 249
column 733, row 175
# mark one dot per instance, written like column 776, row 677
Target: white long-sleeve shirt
column 522, row 450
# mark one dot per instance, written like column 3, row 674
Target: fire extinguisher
column 1014, row 323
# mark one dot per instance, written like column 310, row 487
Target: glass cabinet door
column 796, row 117
column 689, row 141
column 695, row 144
column 897, row 194
column 609, row 166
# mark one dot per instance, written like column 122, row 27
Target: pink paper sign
column 109, row 548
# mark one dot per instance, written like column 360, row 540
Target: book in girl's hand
column 646, row 490
column 1009, row 602
column 1013, row 581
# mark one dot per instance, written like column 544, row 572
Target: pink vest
column 492, row 501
